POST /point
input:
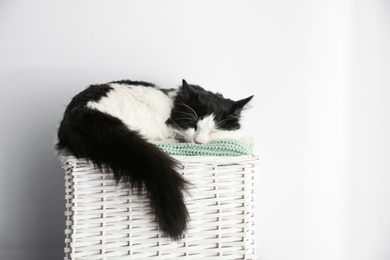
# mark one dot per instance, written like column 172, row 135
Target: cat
column 116, row 124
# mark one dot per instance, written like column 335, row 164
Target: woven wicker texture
column 105, row 221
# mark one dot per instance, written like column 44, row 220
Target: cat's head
column 198, row 114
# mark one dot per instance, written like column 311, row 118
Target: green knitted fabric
column 217, row 148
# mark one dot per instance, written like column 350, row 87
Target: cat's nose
column 197, row 142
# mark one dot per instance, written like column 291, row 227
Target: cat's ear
column 241, row 103
column 187, row 88
column 238, row 106
column 185, row 84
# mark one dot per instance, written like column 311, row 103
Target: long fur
column 106, row 141
column 99, row 124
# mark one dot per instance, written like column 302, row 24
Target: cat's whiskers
column 192, row 116
column 178, row 127
column 218, row 117
column 196, row 115
column 221, row 122
column 174, row 123
column 179, row 135
column 186, row 119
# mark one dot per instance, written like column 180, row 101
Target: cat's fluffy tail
column 106, row 141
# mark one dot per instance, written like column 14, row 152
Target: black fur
column 106, row 141
column 193, row 98
column 134, row 83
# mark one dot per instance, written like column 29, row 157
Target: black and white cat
column 116, row 124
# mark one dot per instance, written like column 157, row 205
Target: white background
column 320, row 73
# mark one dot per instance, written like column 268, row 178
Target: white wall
column 369, row 158
column 319, row 71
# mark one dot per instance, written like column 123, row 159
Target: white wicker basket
column 105, row 221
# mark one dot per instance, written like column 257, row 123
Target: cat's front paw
column 247, row 139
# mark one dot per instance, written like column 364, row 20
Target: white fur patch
column 207, row 131
column 144, row 109
column 204, row 128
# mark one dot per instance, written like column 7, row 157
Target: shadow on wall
column 32, row 186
